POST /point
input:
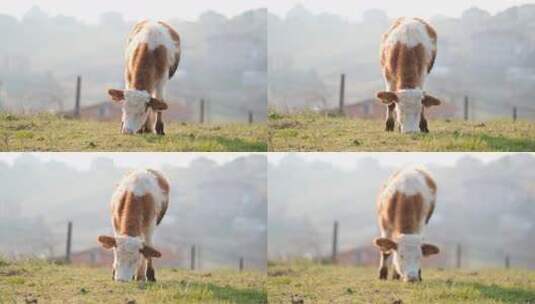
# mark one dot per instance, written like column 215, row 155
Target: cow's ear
column 116, row 95
column 107, row 242
column 429, row 249
column 387, row 97
column 150, row 252
column 430, row 101
column 385, row 244
column 157, row 104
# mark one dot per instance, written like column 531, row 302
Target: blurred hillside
column 221, row 209
column 223, row 61
column 490, row 58
column 486, row 207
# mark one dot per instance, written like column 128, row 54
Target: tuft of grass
column 35, row 281
column 313, row 283
column 315, row 132
column 47, row 132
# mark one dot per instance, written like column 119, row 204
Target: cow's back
column 408, row 53
column 137, row 203
column 407, row 201
column 152, row 54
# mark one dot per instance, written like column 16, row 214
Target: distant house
column 372, row 109
column 100, row 257
column 109, row 111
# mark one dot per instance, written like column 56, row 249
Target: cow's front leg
column 151, row 275
column 390, row 121
column 383, row 267
column 395, row 275
column 141, row 271
column 159, row 124
column 423, row 123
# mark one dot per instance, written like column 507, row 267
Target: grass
column 316, row 132
column 36, row 281
column 303, row 283
column 47, row 132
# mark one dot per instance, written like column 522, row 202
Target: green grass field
column 42, row 282
column 303, row 283
column 315, row 132
column 46, row 132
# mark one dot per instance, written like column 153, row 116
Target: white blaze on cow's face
column 407, row 257
column 127, row 257
column 135, row 110
column 409, row 109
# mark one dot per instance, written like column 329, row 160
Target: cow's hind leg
column 150, row 271
column 383, row 267
column 159, row 124
column 390, row 121
column 423, row 124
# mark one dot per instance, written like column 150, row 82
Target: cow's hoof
column 151, row 275
column 383, row 273
column 396, row 276
column 390, row 124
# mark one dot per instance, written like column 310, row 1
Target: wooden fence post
column 335, row 243
column 241, row 264
column 514, row 114
column 192, row 265
column 250, row 117
column 342, row 94
column 69, row 243
column 201, row 111
column 465, row 108
column 458, row 256
column 507, row 261
column 78, row 95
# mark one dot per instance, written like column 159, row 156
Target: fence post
column 250, row 117
column 192, row 265
column 241, row 264
column 342, row 93
column 78, row 94
column 514, row 114
column 507, row 261
column 458, row 256
column 335, row 243
column 69, row 242
column 465, row 108
column 201, row 112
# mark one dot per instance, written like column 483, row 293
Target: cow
column 404, row 207
column 152, row 58
column 407, row 55
column 138, row 206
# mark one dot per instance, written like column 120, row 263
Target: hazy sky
column 189, row 10
column 82, row 161
column 348, row 161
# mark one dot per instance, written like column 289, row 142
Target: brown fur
column 134, row 214
column 146, row 67
column 402, row 213
column 176, row 39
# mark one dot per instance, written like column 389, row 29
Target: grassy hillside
column 42, row 282
column 315, row 132
column 304, row 283
column 45, row 132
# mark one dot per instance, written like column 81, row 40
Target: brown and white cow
column 404, row 206
column 138, row 205
column 408, row 52
column 152, row 58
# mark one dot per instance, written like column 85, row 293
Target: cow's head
column 408, row 252
column 136, row 105
column 409, row 106
column 127, row 253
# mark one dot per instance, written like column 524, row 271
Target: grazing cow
column 404, row 207
column 138, row 205
column 408, row 52
column 152, row 57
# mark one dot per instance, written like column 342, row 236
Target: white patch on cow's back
column 153, row 34
column 411, row 32
column 409, row 181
